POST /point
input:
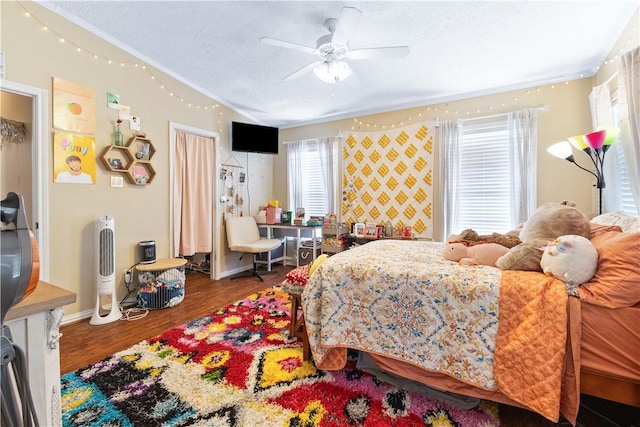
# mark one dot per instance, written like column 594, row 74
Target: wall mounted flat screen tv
column 252, row 138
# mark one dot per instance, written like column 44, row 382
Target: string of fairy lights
column 162, row 85
column 435, row 112
column 443, row 111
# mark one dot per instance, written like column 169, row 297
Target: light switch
column 117, row 181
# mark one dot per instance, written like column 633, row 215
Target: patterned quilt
column 403, row 300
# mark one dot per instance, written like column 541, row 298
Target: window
column 626, row 202
column 484, row 176
column 488, row 172
column 313, row 175
column 313, row 195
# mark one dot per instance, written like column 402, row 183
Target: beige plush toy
column 547, row 223
column 482, row 254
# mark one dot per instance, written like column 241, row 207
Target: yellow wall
column 33, row 57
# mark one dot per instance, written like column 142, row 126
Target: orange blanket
column 532, row 341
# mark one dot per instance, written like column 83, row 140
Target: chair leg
column 254, row 272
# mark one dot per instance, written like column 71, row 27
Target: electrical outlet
column 117, row 181
column 128, row 276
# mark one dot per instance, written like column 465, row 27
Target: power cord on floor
column 132, row 313
column 129, row 314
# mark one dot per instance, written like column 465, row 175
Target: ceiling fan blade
column 302, row 71
column 379, row 52
column 288, row 45
column 347, row 25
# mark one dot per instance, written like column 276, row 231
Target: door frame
column 40, row 167
column 214, row 272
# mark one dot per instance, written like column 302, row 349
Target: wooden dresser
column 34, row 325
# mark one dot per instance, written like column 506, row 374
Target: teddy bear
column 470, row 236
column 572, row 259
column 481, row 254
column 548, row 222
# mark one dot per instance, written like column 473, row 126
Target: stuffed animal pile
column 545, row 225
column 521, row 249
column 471, row 237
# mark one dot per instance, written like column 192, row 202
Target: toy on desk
column 315, row 220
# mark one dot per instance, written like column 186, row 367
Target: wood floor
column 83, row 344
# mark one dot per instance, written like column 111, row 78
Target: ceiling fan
column 333, row 49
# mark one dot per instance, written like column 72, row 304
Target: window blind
column 484, row 179
column 313, row 183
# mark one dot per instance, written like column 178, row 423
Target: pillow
column 627, row 223
column 617, row 280
column 299, row 275
column 598, row 229
column 317, row 263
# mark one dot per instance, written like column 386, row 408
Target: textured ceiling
column 458, row 49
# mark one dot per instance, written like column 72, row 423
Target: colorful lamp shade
column 612, row 135
column 579, row 142
column 561, row 150
column 596, row 139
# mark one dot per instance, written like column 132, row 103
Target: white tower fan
column 105, row 270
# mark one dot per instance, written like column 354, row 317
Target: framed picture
column 358, row 229
column 371, row 231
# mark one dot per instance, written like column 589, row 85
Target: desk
column 298, row 229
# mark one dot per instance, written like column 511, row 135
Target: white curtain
column 193, row 194
column 602, row 115
column 449, row 137
column 523, row 130
column 629, row 77
column 295, row 172
column 327, row 149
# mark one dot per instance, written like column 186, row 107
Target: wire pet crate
column 161, row 284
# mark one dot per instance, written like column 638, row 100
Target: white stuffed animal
column 571, row 258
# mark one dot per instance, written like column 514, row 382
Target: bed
column 513, row 337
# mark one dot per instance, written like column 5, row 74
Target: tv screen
column 254, row 138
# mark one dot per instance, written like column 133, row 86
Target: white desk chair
column 243, row 236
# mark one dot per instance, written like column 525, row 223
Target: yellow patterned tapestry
column 388, row 175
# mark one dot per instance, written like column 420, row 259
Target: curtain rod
column 606, row 82
column 310, row 139
column 543, row 108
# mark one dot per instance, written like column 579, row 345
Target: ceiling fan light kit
column 333, row 71
column 333, row 49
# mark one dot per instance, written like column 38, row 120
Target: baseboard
column 76, row 317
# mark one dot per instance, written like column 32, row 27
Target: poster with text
column 74, row 107
column 74, row 159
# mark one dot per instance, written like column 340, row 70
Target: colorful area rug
column 237, row 367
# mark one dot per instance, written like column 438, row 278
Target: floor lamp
column 595, row 145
